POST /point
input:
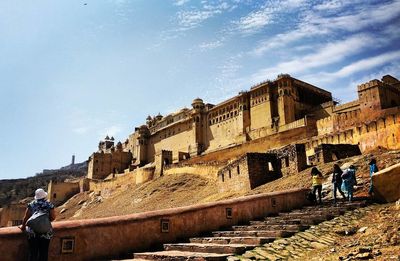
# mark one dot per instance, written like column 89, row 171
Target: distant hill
column 14, row 190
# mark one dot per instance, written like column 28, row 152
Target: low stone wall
column 111, row 184
column 137, row 176
column 387, row 184
column 110, row 237
column 209, row 171
column 59, row 192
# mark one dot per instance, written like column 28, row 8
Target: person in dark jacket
column 337, row 181
column 38, row 243
column 373, row 168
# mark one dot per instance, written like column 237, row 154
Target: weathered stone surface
column 208, row 248
column 180, row 256
column 363, row 256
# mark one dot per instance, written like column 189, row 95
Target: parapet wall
column 110, row 237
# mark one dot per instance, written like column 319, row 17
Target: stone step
column 180, row 256
column 333, row 212
column 344, row 205
column 260, row 233
column 279, row 221
column 271, row 227
column 233, row 240
column 134, row 259
column 303, row 213
column 303, row 218
column 321, row 209
column 316, row 216
column 209, row 248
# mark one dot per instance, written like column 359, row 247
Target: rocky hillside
column 14, row 190
column 181, row 190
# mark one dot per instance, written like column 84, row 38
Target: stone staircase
column 238, row 239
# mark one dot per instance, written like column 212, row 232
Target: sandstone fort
column 294, row 123
column 275, row 130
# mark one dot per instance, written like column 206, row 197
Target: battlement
column 370, row 84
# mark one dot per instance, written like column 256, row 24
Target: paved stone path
column 285, row 236
column 320, row 236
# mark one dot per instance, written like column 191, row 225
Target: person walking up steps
column 349, row 180
column 372, row 169
column 337, row 181
column 317, row 183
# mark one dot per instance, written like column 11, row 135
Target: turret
column 159, row 117
column 149, row 120
column 119, row 146
column 198, row 104
column 106, row 144
column 286, row 99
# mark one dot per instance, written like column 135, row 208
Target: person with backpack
column 373, row 168
column 349, row 180
column 337, row 181
column 316, row 183
column 37, row 224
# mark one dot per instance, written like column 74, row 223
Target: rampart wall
column 382, row 132
column 110, row 237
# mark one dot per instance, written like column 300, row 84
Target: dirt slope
column 187, row 189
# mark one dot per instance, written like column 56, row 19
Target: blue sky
column 73, row 71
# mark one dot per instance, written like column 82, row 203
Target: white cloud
column 258, row 19
column 180, row 2
column 211, row 45
column 348, row 91
column 316, row 23
column 285, row 38
column 355, row 67
column 364, row 17
column 328, row 54
column 189, row 19
column 368, row 63
column 255, row 21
